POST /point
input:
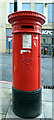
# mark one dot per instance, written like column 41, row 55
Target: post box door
column 25, row 61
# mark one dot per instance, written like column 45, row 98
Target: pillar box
column 26, row 90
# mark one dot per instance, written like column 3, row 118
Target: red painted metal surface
column 26, row 60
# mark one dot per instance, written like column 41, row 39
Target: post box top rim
column 25, row 14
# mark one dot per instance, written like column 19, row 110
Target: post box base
column 27, row 104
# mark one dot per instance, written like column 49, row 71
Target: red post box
column 26, row 90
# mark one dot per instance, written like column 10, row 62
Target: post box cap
column 26, row 15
